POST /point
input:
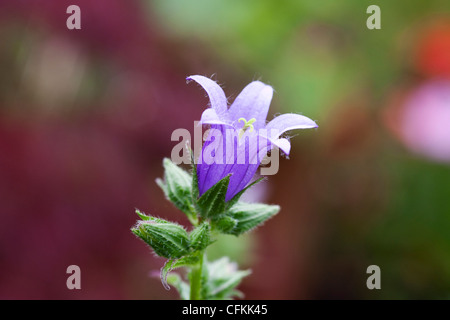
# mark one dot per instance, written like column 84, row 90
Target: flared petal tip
column 284, row 145
column 209, row 116
column 306, row 123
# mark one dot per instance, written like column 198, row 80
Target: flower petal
column 286, row 122
column 209, row 116
column 215, row 93
column 250, row 152
column 228, row 154
column 283, row 144
column 242, row 174
column 252, row 102
column 211, row 162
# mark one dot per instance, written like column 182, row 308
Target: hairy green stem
column 196, row 279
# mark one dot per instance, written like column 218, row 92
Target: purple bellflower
column 239, row 137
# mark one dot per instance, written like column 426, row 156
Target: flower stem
column 196, row 279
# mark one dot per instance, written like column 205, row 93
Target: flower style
column 239, row 136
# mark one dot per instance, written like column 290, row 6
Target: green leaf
column 212, row 202
column 236, row 198
column 225, row 224
column 182, row 287
column 163, row 187
column 224, row 287
column 168, row 239
column 177, row 187
column 186, row 261
column 250, row 215
column 222, row 279
column 200, row 237
column 171, row 264
column 164, row 272
column 143, row 216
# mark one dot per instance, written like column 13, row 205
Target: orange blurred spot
column 433, row 50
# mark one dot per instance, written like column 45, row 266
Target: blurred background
column 86, row 118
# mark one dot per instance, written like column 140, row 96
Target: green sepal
column 250, row 215
column 238, row 195
column 171, row 264
column 225, row 224
column 194, row 190
column 165, row 272
column 212, row 203
column 200, row 237
column 221, row 279
column 145, row 217
column 177, row 187
column 142, row 215
column 167, row 239
column 186, row 261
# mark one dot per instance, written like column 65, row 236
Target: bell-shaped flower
column 239, row 136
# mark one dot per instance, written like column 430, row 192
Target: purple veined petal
column 252, row 102
column 231, row 143
column 210, row 166
column 243, row 174
column 209, row 170
column 286, row 122
column 209, row 116
column 215, row 93
column 246, row 164
column 209, row 173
